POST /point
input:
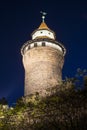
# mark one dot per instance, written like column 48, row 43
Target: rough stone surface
column 43, row 69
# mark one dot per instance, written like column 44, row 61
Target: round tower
column 43, row 59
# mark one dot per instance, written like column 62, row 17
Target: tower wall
column 43, row 69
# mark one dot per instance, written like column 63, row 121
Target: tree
column 64, row 109
column 3, row 101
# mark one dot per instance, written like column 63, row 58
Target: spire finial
column 43, row 15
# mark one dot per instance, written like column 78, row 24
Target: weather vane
column 43, row 15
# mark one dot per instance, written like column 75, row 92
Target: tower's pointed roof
column 43, row 25
column 43, row 31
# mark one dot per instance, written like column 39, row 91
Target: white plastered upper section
column 43, row 33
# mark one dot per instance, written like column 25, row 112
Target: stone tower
column 43, row 59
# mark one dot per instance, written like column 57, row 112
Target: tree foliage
column 64, row 109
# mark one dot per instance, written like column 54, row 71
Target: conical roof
column 43, row 31
column 43, row 25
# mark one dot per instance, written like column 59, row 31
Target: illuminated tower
column 43, row 59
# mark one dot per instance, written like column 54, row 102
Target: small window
column 41, row 32
column 35, row 44
column 49, row 33
column 43, row 43
column 28, row 47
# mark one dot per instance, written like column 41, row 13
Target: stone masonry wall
column 43, row 69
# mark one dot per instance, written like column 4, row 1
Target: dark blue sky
column 19, row 19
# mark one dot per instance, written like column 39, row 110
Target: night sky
column 19, row 19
